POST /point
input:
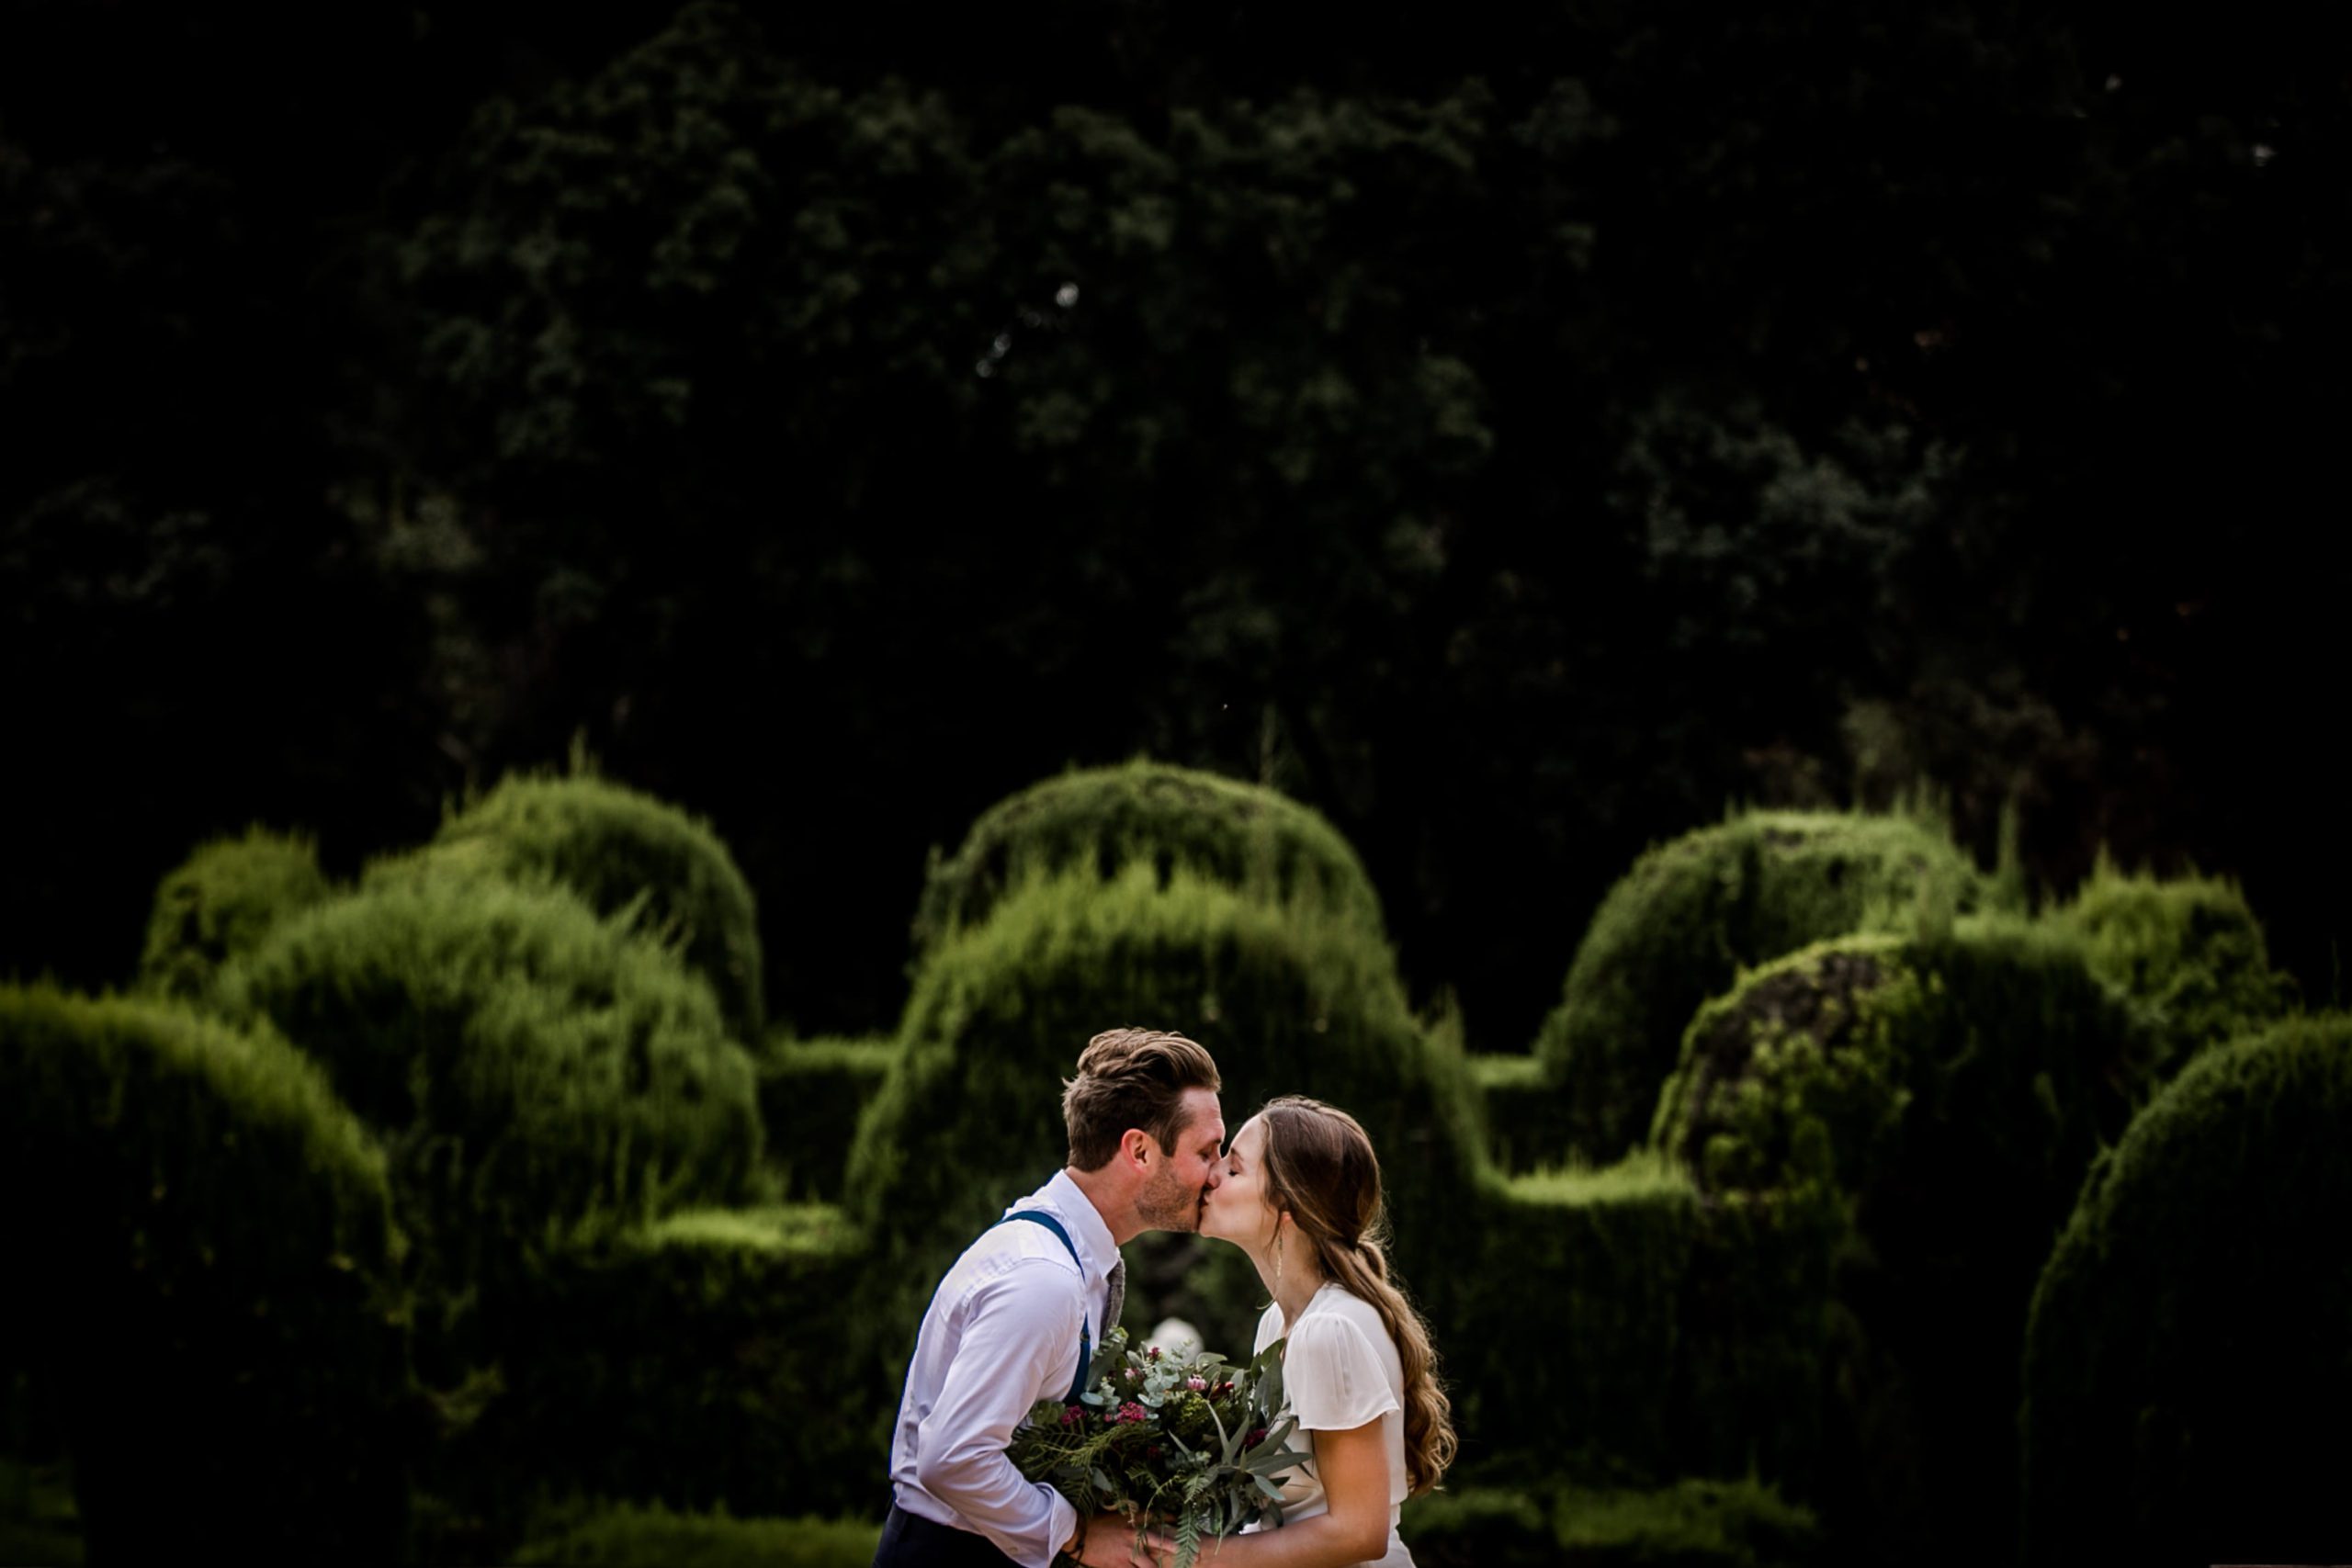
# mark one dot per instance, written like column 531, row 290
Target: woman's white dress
column 1340, row 1370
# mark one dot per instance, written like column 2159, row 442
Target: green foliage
column 811, row 1094
column 39, row 1522
column 1697, row 1523
column 643, row 1535
column 206, row 1274
column 1692, row 912
column 624, row 850
column 531, row 1066
column 2185, row 1374
column 1488, row 1526
column 1615, row 1320
column 1524, row 1110
column 1951, row 1090
column 220, row 902
column 698, row 1360
column 1172, row 818
column 2188, row 948
column 1289, row 998
column 1691, row 1523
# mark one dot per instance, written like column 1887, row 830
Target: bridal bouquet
column 1183, row 1440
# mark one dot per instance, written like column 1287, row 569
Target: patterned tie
column 1118, row 1299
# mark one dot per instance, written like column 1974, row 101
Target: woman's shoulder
column 1338, row 1315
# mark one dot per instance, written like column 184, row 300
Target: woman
column 1301, row 1196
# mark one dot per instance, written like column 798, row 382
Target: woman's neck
column 1298, row 1283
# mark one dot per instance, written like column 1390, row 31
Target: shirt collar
column 1076, row 1212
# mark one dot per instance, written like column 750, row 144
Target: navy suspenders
column 1085, row 1339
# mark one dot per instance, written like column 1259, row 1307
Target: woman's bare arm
column 1354, row 1469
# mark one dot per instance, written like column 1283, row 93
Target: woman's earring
column 1278, row 1258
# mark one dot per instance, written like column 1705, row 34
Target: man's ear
column 1137, row 1146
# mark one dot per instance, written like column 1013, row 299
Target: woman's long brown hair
column 1320, row 1169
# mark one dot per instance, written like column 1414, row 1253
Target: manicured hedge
column 2188, row 948
column 1099, row 820
column 618, row 848
column 1679, row 926
column 1694, row 1522
column 1618, row 1318
column 811, row 1094
column 531, row 1065
column 1954, row 1088
column 220, row 902
column 1524, row 1111
column 637, row 1535
column 1289, row 1002
column 2186, row 1371
column 699, row 1361
column 200, row 1251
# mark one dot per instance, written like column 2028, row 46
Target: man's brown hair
column 1131, row 1078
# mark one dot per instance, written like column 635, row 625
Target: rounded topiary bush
column 1100, row 820
column 530, row 1065
column 220, row 902
column 1954, row 1087
column 198, row 1254
column 616, row 847
column 1693, row 912
column 1289, row 1000
column 2188, row 948
column 2186, row 1369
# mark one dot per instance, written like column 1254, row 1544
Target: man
column 1010, row 1323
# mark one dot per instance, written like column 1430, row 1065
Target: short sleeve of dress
column 1331, row 1375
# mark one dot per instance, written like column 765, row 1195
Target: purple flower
column 1153, row 1353
column 1131, row 1410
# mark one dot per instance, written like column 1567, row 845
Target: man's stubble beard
column 1169, row 1205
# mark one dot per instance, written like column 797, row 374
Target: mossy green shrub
column 1953, row 1089
column 220, row 902
column 811, row 1094
column 2188, row 948
column 1699, row 1522
column 619, row 848
column 639, row 1535
column 2186, row 1371
column 200, row 1249
column 1619, row 1320
column 1479, row 1527
column 1691, row 1523
column 1289, row 999
column 697, row 1360
column 1692, row 913
column 531, row 1066
column 1524, row 1110
column 1099, row 820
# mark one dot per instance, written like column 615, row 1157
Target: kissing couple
column 1014, row 1321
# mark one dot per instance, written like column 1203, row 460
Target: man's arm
column 1016, row 1343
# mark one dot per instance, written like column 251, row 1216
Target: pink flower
column 1197, row 1384
column 1131, row 1410
column 1072, row 1415
column 1153, row 1353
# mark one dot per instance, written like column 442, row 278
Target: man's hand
column 1111, row 1543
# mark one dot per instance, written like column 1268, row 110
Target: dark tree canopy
column 1513, row 439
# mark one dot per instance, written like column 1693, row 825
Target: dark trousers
column 910, row 1540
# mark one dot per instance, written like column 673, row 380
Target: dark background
column 1518, row 433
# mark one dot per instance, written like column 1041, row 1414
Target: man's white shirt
column 1002, row 1334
